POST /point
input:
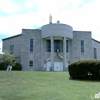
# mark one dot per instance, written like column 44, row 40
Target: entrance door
column 48, row 66
column 58, row 66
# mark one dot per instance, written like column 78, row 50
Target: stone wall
column 26, row 55
column 96, row 44
column 60, row 30
column 76, row 43
column 16, row 41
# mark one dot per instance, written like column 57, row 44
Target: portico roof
column 57, row 54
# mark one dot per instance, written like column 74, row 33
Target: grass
column 44, row 86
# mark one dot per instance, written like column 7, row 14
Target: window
column 11, row 49
column 56, row 45
column 31, row 45
column 95, row 53
column 67, row 46
column 82, row 46
column 30, row 63
column 48, row 46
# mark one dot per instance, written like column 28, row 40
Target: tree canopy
column 7, row 58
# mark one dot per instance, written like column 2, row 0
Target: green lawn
column 30, row 85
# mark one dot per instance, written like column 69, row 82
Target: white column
column 64, row 52
column 52, row 52
column 71, row 51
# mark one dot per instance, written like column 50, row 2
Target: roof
column 11, row 37
column 96, row 40
column 21, row 34
column 82, row 31
column 56, row 55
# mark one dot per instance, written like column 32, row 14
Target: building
column 52, row 47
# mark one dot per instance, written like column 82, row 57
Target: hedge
column 85, row 69
column 3, row 66
column 15, row 66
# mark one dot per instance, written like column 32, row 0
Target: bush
column 3, row 66
column 17, row 66
column 85, row 69
column 7, row 58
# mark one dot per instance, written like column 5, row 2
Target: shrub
column 3, row 66
column 17, row 66
column 85, row 69
column 7, row 58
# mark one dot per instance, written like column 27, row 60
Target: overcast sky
column 82, row 15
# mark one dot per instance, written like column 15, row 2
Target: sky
column 15, row 15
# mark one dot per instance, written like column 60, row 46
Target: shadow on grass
column 85, row 80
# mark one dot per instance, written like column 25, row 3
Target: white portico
column 57, row 35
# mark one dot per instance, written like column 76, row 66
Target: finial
column 50, row 18
column 58, row 21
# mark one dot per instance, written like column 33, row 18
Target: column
column 71, row 51
column 64, row 53
column 42, row 53
column 52, row 52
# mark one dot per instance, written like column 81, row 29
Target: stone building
column 52, row 47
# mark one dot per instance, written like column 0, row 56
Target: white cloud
column 13, row 24
column 75, row 3
column 85, row 19
column 8, row 7
column 51, row 6
column 30, row 3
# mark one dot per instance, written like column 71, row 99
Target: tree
column 7, row 58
